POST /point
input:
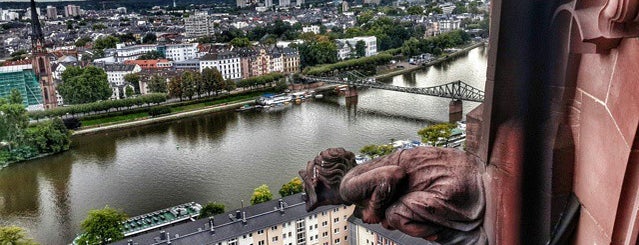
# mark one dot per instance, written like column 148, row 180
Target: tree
column 102, row 226
column 157, row 84
column 360, row 48
column 211, row 77
column 152, row 55
column 261, row 194
column 15, row 97
column 432, row 134
column 211, row 209
column 189, row 84
column 13, row 122
column 175, row 87
column 106, row 42
column 14, row 235
column 133, row 80
column 82, row 41
column 317, row 52
column 377, row 150
column 49, row 137
column 415, row 10
column 240, row 42
column 149, row 38
column 84, row 85
column 98, row 27
column 129, row 91
column 293, row 187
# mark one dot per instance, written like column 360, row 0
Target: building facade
column 277, row 222
column 199, row 25
column 227, row 63
column 347, row 46
column 115, row 77
column 52, row 12
column 72, row 10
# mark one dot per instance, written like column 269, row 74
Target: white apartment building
column 179, row 52
column 115, row 76
column 447, row 25
column 199, row 25
column 72, row 10
column 175, row 52
column 314, row 29
column 228, row 63
column 276, row 62
column 347, row 46
column 52, row 12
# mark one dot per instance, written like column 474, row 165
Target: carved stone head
column 323, row 176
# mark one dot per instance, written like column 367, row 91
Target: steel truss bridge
column 457, row 90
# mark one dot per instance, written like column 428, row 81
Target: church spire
column 37, row 38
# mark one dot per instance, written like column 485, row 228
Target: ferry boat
column 274, row 99
column 158, row 219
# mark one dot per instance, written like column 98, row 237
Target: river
column 217, row 157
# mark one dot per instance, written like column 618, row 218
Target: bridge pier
column 455, row 110
column 351, row 92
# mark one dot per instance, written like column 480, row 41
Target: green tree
column 157, row 84
column 151, row 55
column 149, row 38
column 50, row 136
column 317, row 52
column 82, row 41
column 377, row 150
column 293, row 187
column 14, row 235
column 129, row 91
column 432, row 134
column 261, row 194
column 13, row 122
column 211, row 77
column 360, row 48
column 415, row 10
column 89, row 86
column 189, row 84
column 15, row 97
column 240, row 42
column 133, row 79
column 211, row 209
column 98, row 27
column 106, row 42
column 102, row 226
column 175, row 87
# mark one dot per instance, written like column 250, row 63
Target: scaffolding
column 25, row 81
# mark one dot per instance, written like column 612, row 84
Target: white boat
column 274, row 99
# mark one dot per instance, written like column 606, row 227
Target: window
column 325, row 223
column 284, row 236
column 346, row 227
column 325, row 234
column 335, row 220
column 336, row 230
column 315, row 226
column 274, row 228
column 260, row 232
column 275, row 239
column 260, row 242
column 336, row 241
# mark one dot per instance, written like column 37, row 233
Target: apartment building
column 52, row 12
column 347, row 46
column 175, row 52
column 260, row 63
column 72, row 10
column 151, row 64
column 277, row 222
column 374, row 234
column 290, row 60
column 199, row 25
column 179, row 52
column 115, row 77
column 227, row 62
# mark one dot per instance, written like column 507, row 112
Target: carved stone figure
column 428, row 192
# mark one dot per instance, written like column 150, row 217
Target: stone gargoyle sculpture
column 428, row 192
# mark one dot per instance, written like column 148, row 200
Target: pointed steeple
column 37, row 38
